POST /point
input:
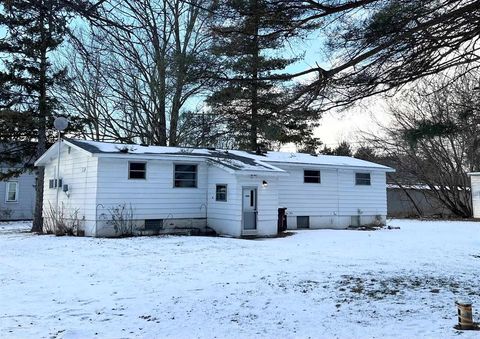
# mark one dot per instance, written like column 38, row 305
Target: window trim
column 226, row 192
column 137, row 171
column 310, row 176
column 7, row 190
column 363, row 184
column 187, row 164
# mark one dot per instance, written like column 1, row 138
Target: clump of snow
column 315, row 283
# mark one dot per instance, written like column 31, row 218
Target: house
column 410, row 201
column 475, row 189
column 17, row 196
column 105, row 186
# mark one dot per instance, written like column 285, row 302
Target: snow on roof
column 473, row 173
column 233, row 159
column 309, row 159
column 225, row 159
column 423, row 187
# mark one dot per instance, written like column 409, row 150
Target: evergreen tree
column 366, row 153
column 248, row 36
column 327, row 151
column 31, row 31
column 343, row 149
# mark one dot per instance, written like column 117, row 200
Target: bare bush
column 121, row 219
column 60, row 223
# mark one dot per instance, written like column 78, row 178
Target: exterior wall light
column 264, row 183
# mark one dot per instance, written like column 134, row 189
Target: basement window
column 311, row 176
column 221, row 193
column 185, row 175
column 153, row 224
column 303, row 222
column 362, row 179
column 137, row 170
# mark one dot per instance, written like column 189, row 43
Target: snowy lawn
column 315, row 283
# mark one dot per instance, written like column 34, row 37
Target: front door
column 249, row 208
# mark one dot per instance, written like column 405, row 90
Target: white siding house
column 236, row 193
column 475, row 189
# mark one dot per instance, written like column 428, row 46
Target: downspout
column 206, row 194
column 58, row 178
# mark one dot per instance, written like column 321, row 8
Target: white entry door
column 249, row 208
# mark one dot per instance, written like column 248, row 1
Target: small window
column 221, row 193
column 303, row 222
column 153, row 224
column 137, row 170
column 52, row 183
column 362, row 179
column 311, row 176
column 12, row 191
column 185, row 176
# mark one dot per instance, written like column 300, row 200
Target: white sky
column 336, row 127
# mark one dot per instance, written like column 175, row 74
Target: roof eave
column 303, row 164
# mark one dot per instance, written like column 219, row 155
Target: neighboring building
column 409, row 201
column 475, row 187
column 162, row 189
column 17, row 196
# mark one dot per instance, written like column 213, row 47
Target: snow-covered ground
column 315, row 283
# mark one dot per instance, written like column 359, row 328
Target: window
column 185, row 176
column 137, row 170
column 303, row 222
column 311, row 176
column 153, row 224
column 362, row 179
column 12, row 191
column 221, row 193
column 52, row 183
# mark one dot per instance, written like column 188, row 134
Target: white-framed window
column 137, row 170
column 362, row 179
column 311, row 176
column 185, row 175
column 11, row 194
column 221, row 192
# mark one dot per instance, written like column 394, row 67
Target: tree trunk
column 37, row 225
column 254, row 103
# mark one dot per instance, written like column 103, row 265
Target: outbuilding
column 104, row 187
column 475, row 189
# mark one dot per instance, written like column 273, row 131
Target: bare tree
column 134, row 80
column 434, row 138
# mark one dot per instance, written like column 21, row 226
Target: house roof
column 231, row 160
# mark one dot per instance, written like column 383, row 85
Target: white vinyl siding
column 152, row 198
column 224, row 216
column 331, row 204
column 475, row 183
column 79, row 171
